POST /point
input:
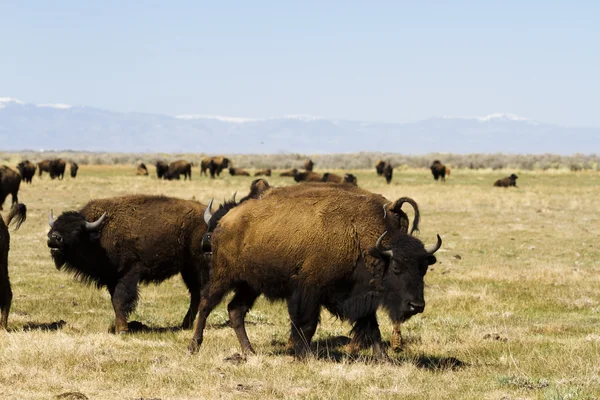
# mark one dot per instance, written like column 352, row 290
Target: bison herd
column 324, row 243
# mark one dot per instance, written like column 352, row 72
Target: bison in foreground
column 17, row 215
column 317, row 245
column 27, row 170
column 10, row 181
column 130, row 240
column 439, row 170
column 507, row 182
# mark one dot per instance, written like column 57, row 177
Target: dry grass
column 513, row 305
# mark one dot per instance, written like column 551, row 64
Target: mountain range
column 62, row 127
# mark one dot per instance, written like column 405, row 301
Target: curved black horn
column 435, row 247
column 380, row 249
column 92, row 226
column 207, row 212
column 51, row 219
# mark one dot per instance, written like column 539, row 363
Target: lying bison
column 507, row 182
column 27, row 170
column 178, row 168
column 316, row 245
column 439, row 170
column 308, row 176
column 141, row 170
column 238, row 172
column 347, row 178
column 10, row 181
column 132, row 239
column 350, row 178
column 290, row 172
column 74, row 169
column 263, row 172
column 17, row 215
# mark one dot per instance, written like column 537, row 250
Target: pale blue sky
column 378, row 60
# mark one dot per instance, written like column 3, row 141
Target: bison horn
column 92, row 226
column 50, row 219
column 435, row 247
column 207, row 212
column 380, row 249
column 234, row 196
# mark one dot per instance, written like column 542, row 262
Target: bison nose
column 56, row 237
column 416, row 306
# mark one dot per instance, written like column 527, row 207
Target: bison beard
column 316, row 245
column 133, row 239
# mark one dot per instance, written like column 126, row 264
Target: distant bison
column 342, row 263
column 132, row 239
column 290, row 172
column 308, row 176
column 17, row 215
column 10, row 181
column 27, row 170
column 214, row 165
column 44, row 166
column 507, row 182
column 379, row 167
column 161, row 169
column 350, row 178
column 178, row 168
column 263, row 172
column 57, row 168
column 74, row 168
column 141, row 169
column 388, row 170
column 309, row 165
column 330, row 177
column 439, row 170
column 238, row 172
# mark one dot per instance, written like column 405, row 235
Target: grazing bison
column 214, row 165
column 238, row 172
column 379, row 167
column 44, row 166
column 439, row 170
column 178, row 168
column 507, row 182
column 57, row 168
column 27, row 170
column 388, row 170
column 161, row 168
column 17, row 215
column 141, row 169
column 263, row 172
column 308, row 176
column 10, row 181
column 290, row 172
column 132, row 239
column 74, row 168
column 317, row 245
column 308, row 165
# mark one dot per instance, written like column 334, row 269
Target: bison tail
column 398, row 206
column 17, row 215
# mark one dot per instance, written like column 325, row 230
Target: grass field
column 513, row 304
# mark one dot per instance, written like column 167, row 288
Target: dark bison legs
column 241, row 303
column 124, row 297
column 5, row 296
column 366, row 332
column 193, row 282
column 211, row 297
column 304, row 314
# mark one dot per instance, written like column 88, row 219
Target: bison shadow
column 139, row 327
column 44, row 326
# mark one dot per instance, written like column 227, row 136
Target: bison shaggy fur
column 439, row 170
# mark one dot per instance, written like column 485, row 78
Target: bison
column 44, row 166
column 214, row 165
column 238, row 172
column 131, row 240
column 507, row 182
column 27, row 170
column 329, row 177
column 263, row 172
column 350, row 178
column 178, row 168
column 141, row 169
column 309, row 165
column 161, row 168
column 439, row 170
column 16, row 216
column 74, row 168
column 308, row 176
column 290, row 172
column 10, row 181
column 317, row 245
column 379, row 167
column 388, row 170
column 57, row 168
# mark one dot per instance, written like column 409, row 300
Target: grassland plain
column 513, row 304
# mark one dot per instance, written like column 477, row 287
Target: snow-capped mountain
column 64, row 127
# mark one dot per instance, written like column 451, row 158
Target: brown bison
column 350, row 178
column 317, row 245
column 439, row 170
column 10, row 181
column 330, row 177
column 309, row 165
column 161, row 169
column 178, row 168
column 290, row 172
column 388, row 170
column 507, row 182
column 214, row 165
column 141, row 169
column 263, row 172
column 308, row 176
column 57, row 168
column 379, row 167
column 17, row 215
column 44, row 166
column 74, row 168
column 27, row 170
column 131, row 240
column 238, row 172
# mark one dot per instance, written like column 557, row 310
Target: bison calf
column 131, row 240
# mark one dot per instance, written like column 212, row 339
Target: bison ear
column 395, row 209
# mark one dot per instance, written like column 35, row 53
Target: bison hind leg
column 5, row 301
column 304, row 310
column 241, row 303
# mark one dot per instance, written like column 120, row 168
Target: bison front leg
column 210, row 298
column 304, row 314
column 366, row 332
column 124, row 297
column 396, row 343
column 238, row 307
column 193, row 282
column 5, row 300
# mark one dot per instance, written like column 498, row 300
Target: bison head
column 70, row 234
column 407, row 261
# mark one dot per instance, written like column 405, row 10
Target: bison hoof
column 194, row 346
